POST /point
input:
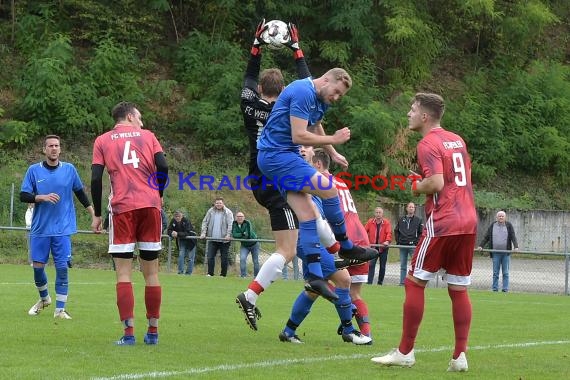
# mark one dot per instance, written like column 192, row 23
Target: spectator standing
column 500, row 236
column 49, row 186
column 217, row 226
column 243, row 229
column 379, row 230
column 407, row 232
column 132, row 156
column 179, row 229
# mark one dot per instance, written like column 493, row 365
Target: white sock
column 269, row 272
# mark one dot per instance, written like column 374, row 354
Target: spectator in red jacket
column 379, row 232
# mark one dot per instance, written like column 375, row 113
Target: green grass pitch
column 203, row 334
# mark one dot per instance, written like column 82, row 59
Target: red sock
column 462, row 312
column 126, row 305
column 413, row 314
column 152, row 300
column 362, row 316
column 256, row 287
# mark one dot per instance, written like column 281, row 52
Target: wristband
column 298, row 54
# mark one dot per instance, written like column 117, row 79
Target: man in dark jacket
column 180, row 228
column 500, row 236
column 407, row 232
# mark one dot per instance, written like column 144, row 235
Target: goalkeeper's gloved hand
column 293, row 42
column 258, row 41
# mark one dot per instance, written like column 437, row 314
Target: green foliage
column 212, row 113
column 524, row 27
column 517, row 121
column 17, row 132
column 413, row 38
column 492, row 200
column 48, row 86
column 335, row 52
column 501, row 66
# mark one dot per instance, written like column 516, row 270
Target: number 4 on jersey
column 130, row 156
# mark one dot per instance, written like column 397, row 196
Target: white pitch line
column 275, row 363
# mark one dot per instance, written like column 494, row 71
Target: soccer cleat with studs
column 356, row 337
column 151, row 338
column 283, row 337
column 321, row 287
column 250, row 311
column 359, row 253
column 459, row 364
column 126, row 340
column 396, row 358
column 345, row 263
column 61, row 314
column 39, row 306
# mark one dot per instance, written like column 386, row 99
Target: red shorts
column 452, row 253
column 359, row 273
column 142, row 227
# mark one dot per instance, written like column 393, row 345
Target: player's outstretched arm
column 254, row 64
column 293, row 44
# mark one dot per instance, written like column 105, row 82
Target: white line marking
column 275, row 363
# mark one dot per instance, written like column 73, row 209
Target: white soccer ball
column 276, row 34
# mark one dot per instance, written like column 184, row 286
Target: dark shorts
column 281, row 215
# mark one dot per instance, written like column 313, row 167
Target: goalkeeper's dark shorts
column 280, row 213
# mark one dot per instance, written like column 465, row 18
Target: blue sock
column 335, row 217
column 61, row 287
column 40, row 279
column 301, row 309
column 344, row 309
column 309, row 241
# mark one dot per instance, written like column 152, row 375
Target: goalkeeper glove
column 293, row 42
column 258, row 41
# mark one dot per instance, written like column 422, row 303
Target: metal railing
column 530, row 271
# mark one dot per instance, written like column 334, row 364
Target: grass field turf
column 203, row 334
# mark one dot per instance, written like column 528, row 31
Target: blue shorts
column 327, row 263
column 287, row 170
column 59, row 246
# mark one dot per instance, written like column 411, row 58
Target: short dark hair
column 51, row 137
column 122, row 109
column 271, row 82
column 433, row 104
column 323, row 156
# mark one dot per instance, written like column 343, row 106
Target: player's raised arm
column 293, row 44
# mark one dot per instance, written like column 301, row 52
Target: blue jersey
column 53, row 219
column 298, row 99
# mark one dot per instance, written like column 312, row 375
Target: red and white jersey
column 452, row 210
column 354, row 229
column 128, row 154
